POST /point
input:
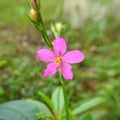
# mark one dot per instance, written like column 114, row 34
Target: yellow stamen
column 58, row 60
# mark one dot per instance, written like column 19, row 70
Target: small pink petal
column 66, row 70
column 74, row 56
column 59, row 46
column 46, row 55
column 51, row 69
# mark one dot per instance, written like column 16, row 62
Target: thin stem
column 43, row 32
column 65, row 96
column 41, row 27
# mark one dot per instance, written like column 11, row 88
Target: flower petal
column 59, row 46
column 46, row 55
column 74, row 56
column 51, row 69
column 66, row 71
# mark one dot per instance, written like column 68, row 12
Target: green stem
column 43, row 32
column 65, row 96
column 41, row 27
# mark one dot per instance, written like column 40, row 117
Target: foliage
column 22, row 110
column 52, row 109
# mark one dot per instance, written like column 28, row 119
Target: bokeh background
column 21, row 74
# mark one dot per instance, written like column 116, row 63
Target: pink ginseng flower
column 58, row 58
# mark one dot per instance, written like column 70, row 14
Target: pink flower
column 58, row 58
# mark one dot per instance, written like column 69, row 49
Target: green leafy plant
column 56, row 107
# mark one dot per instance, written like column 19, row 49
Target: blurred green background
column 21, row 74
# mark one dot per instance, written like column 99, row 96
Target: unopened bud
column 57, row 29
column 59, row 26
column 33, row 15
column 35, row 4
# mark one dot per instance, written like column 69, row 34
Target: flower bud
column 33, row 15
column 59, row 27
column 35, row 4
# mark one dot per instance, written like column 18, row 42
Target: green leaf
column 88, row 105
column 47, row 100
column 3, row 63
column 43, row 109
column 72, row 117
column 58, row 99
column 87, row 116
column 22, row 110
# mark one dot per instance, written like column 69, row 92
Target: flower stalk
column 65, row 96
column 43, row 31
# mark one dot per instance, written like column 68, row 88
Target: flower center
column 58, row 60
